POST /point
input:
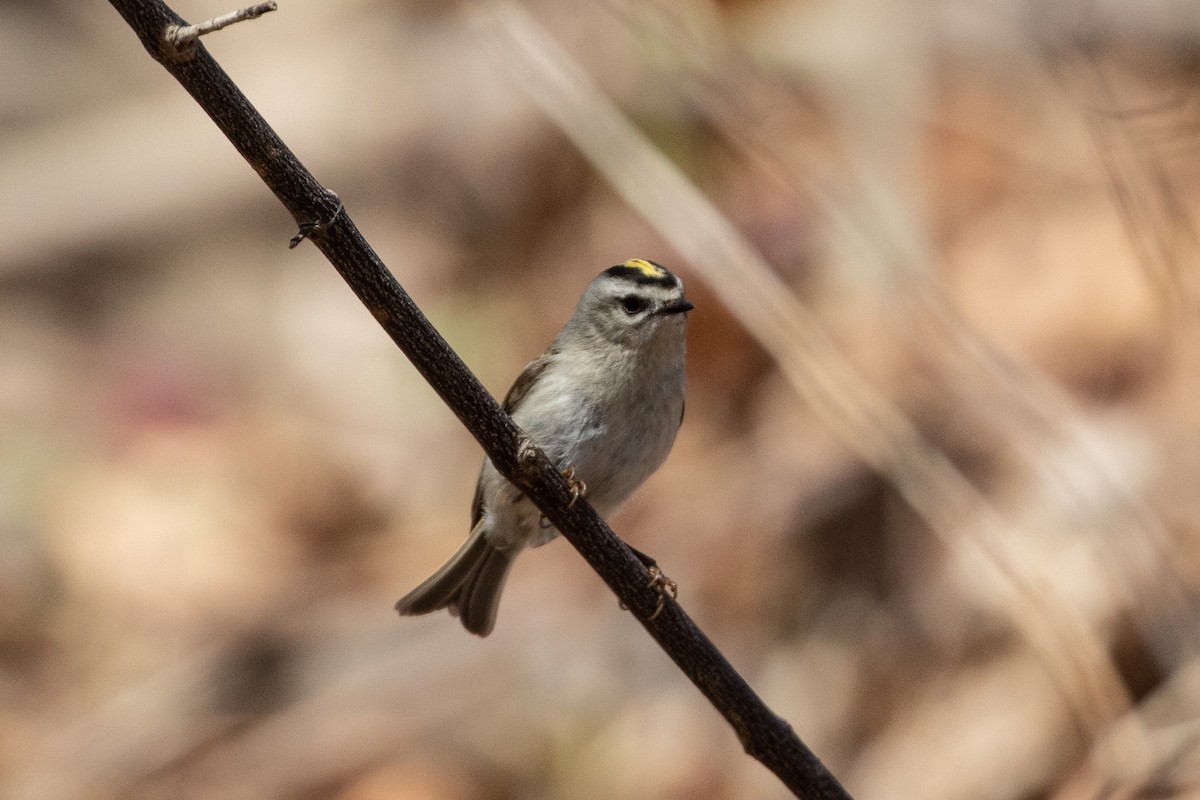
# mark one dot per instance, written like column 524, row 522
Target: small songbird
column 604, row 403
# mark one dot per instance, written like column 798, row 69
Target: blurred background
column 935, row 495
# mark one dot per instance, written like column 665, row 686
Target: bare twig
column 182, row 36
column 320, row 215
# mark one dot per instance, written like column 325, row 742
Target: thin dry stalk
column 881, row 434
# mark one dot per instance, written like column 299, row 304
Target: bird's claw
column 661, row 584
column 578, row 490
column 578, row 487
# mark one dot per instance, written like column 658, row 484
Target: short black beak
column 677, row 308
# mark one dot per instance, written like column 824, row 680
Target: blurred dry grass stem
column 874, row 427
column 1156, row 219
column 1016, row 397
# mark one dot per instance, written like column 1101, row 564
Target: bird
column 604, row 403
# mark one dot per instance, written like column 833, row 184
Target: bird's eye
column 632, row 304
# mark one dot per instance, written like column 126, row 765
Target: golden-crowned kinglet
column 603, row 402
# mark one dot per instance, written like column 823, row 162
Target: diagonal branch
column 322, row 219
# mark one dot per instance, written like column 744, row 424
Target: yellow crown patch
column 645, row 267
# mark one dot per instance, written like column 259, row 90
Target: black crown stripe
column 640, row 276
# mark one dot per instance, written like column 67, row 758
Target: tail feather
column 479, row 599
column 468, row 585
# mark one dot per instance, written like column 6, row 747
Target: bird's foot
column 658, row 581
column 578, row 490
column 578, row 487
column 661, row 584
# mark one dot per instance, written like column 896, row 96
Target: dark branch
column 321, row 218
